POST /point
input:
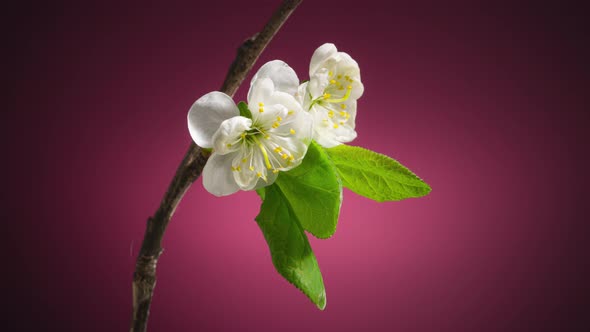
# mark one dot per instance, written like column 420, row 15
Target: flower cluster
column 249, row 151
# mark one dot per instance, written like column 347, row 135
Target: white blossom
column 330, row 95
column 248, row 153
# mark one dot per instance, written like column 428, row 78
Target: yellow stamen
column 261, row 110
column 291, row 158
column 335, row 125
column 290, row 113
column 258, row 174
column 285, row 156
column 279, row 119
column 275, row 171
column 343, row 106
column 344, row 98
column 331, row 114
column 251, row 168
column 330, row 73
column 332, row 81
column 244, row 160
column 276, row 125
column 265, row 154
column 239, row 169
column 343, row 113
column 292, row 131
column 228, row 145
column 327, row 95
column 278, row 149
column 261, row 104
column 339, row 76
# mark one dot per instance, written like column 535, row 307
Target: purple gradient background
column 487, row 103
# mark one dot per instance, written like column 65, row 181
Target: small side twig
column 144, row 278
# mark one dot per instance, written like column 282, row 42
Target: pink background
column 487, row 103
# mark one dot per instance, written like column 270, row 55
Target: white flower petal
column 280, row 105
column 288, row 139
column 260, row 90
column 252, row 168
column 245, row 175
column 271, row 177
column 283, row 77
column 217, row 175
column 298, row 125
column 227, row 138
column 302, row 96
column 330, row 131
column 346, row 66
column 345, row 63
column 320, row 55
column 276, row 104
column 351, row 109
column 357, row 90
column 285, row 152
column 318, row 83
column 206, row 115
column 271, row 114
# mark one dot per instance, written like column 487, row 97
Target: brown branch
column 144, row 278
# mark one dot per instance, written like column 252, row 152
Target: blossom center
column 260, row 150
column 336, row 93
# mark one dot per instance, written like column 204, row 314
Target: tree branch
column 144, row 278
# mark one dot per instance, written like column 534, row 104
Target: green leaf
column 244, row 110
column 289, row 248
column 261, row 192
column 374, row 175
column 314, row 192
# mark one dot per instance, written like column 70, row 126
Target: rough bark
column 144, row 278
